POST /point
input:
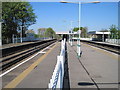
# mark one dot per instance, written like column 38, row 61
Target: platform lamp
column 78, row 40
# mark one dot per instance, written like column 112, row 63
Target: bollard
column 71, row 42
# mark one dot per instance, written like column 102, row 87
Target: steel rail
column 109, row 47
column 10, row 61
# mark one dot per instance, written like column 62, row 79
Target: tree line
column 84, row 31
column 44, row 33
column 48, row 33
column 114, row 32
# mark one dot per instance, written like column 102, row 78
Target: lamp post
column 103, row 36
column 78, row 42
column 71, row 34
column 79, row 3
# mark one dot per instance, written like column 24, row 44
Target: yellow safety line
column 105, row 52
column 19, row 78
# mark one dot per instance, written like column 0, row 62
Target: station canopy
column 66, row 33
column 98, row 33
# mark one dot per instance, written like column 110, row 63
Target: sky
column 72, row 0
column 60, row 15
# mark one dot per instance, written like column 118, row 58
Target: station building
column 99, row 36
column 66, row 35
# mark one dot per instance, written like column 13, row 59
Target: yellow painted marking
column 103, row 51
column 19, row 78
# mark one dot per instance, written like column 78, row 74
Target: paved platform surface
column 110, row 43
column 113, row 44
column 96, row 68
column 40, row 76
column 95, row 65
column 18, row 44
column 42, row 71
column 13, row 45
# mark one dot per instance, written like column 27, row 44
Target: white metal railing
column 57, row 78
column 113, row 41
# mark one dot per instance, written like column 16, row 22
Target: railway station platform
column 109, row 43
column 39, row 73
column 13, row 45
column 18, row 44
column 96, row 69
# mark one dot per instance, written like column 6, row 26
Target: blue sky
column 59, row 15
column 99, row 16
column 72, row 0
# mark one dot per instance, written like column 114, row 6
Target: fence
column 113, row 41
column 86, row 39
column 57, row 78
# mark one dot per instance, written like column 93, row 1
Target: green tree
column 83, row 31
column 16, row 16
column 30, row 31
column 41, row 32
column 36, row 35
column 104, row 30
column 50, row 33
column 114, row 32
column 118, row 34
column 75, row 29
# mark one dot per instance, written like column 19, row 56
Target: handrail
column 57, row 78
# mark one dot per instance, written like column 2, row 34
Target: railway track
column 108, row 47
column 12, row 59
